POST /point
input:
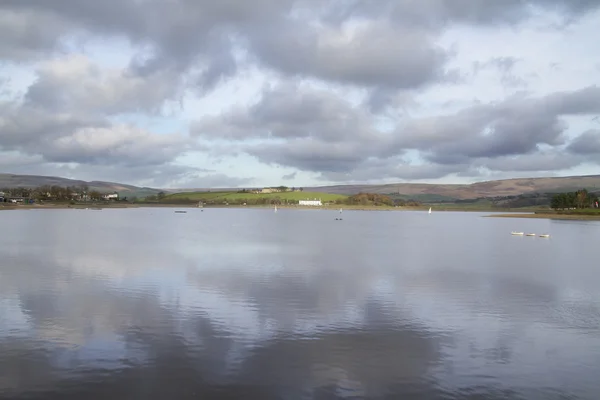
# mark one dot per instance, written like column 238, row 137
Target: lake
column 247, row 303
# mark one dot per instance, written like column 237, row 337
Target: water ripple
column 389, row 305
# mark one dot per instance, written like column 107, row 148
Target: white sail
column 429, row 210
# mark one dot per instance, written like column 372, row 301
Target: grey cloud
column 166, row 175
column 309, row 129
column 537, row 162
column 289, row 177
column 588, row 143
column 62, row 120
column 288, row 111
column 61, row 137
column 311, row 155
column 88, row 88
column 516, row 126
column 150, row 176
column 27, row 34
column 22, row 126
column 395, row 168
column 379, row 55
column 36, row 141
column 4, row 89
column 198, row 42
column 387, row 99
column 315, row 131
column 394, row 48
column 14, row 159
column 578, row 102
column 325, row 133
column 505, row 66
column 513, row 81
column 116, row 145
column 218, row 180
column 436, row 14
column 175, row 36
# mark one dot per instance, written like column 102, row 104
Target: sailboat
column 275, row 208
column 340, row 210
column 429, row 210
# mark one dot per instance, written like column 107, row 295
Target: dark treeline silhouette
column 574, row 200
column 536, row 199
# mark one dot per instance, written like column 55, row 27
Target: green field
column 221, row 197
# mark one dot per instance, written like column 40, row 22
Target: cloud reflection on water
column 138, row 315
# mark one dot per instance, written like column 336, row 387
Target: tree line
column 54, row 193
column 578, row 200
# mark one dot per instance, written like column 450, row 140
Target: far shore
column 56, row 206
column 356, row 207
column 576, row 217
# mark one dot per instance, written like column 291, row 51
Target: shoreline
column 506, row 213
column 332, row 207
column 573, row 217
column 187, row 206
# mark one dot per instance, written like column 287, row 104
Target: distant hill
column 31, row 181
column 417, row 191
column 499, row 188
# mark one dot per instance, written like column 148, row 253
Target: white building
column 111, row 196
column 310, row 202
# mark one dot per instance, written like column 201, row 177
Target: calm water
column 241, row 303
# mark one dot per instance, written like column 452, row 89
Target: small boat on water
column 181, row 212
column 517, row 233
column 545, row 236
column 530, row 234
column 429, row 210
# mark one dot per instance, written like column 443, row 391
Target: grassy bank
column 42, row 206
column 357, row 207
column 188, row 205
column 580, row 216
column 249, row 198
column 585, row 211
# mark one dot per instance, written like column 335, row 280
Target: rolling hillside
column 507, row 187
column 417, row 191
column 32, row 181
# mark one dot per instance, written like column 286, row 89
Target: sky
column 199, row 93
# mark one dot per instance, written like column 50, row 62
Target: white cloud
column 297, row 90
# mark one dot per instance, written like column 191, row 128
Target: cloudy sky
column 203, row 93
